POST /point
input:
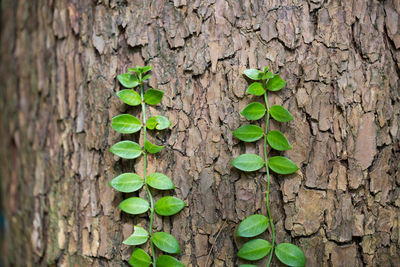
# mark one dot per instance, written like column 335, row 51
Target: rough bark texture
column 59, row 61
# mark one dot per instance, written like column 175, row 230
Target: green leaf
column 249, row 133
column 253, row 74
column 134, row 205
column 290, row 255
column 168, row 206
column 152, row 149
column 128, row 80
column 282, row 165
column 160, row 181
column 253, row 226
column 138, row 237
column 126, row 124
column 140, row 258
column 129, row 97
column 280, row 114
column 166, row 242
column 168, row 261
column 267, row 75
column 127, row 149
column 248, row 162
column 145, row 69
column 127, row 182
column 146, row 77
column 278, row 141
column 255, row 250
column 153, row 96
column 275, row 83
column 255, row 88
column 253, row 111
column 266, row 69
column 158, row 122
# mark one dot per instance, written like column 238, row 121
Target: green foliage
column 127, row 182
column 256, row 224
column 131, row 182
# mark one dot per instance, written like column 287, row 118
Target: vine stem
column 271, row 222
column 145, row 175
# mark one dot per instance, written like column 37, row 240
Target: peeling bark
column 341, row 61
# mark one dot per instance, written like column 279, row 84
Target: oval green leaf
column 255, row 250
column 168, row 206
column 145, row 69
column 127, row 182
column 138, row 237
column 248, row 133
column 168, row 261
column 166, row 242
column 153, row 96
column 160, row 181
column 130, row 97
column 158, row 122
column 282, row 165
column 248, row 162
column 253, row 74
column 128, row 80
column 253, row 111
column 140, row 258
column 278, row 141
column 152, row 149
column 290, row 255
column 280, row 114
column 127, row 149
column 256, row 88
column 275, row 83
column 126, row 124
column 134, row 205
column 253, row 226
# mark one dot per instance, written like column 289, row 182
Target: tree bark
column 59, row 61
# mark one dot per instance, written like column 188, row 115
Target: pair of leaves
column 140, row 258
column 275, row 82
column 168, row 206
column 131, row 182
column 166, row 242
column 132, row 98
column 253, row 162
column 256, row 75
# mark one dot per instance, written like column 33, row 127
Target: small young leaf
column 126, row 124
column 152, row 149
column 253, row 225
column 127, row 149
column 275, row 83
column 160, row 181
column 280, row 114
column 282, row 165
column 158, row 122
column 153, row 96
column 145, row 69
column 140, row 258
column 255, row 249
column 249, row 133
column 253, row 74
column 129, row 97
column 278, row 141
column 290, row 255
column 134, row 205
column 248, row 162
column 266, row 69
column 138, row 237
column 128, row 80
column 267, row 75
column 255, row 88
column 166, row 242
column 146, row 77
column 127, row 182
column 168, row 261
column 253, row 111
column 168, row 206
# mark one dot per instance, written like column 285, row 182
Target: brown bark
column 59, row 61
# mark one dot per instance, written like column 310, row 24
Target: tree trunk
column 59, row 61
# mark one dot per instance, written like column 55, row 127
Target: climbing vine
column 257, row 224
column 132, row 182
